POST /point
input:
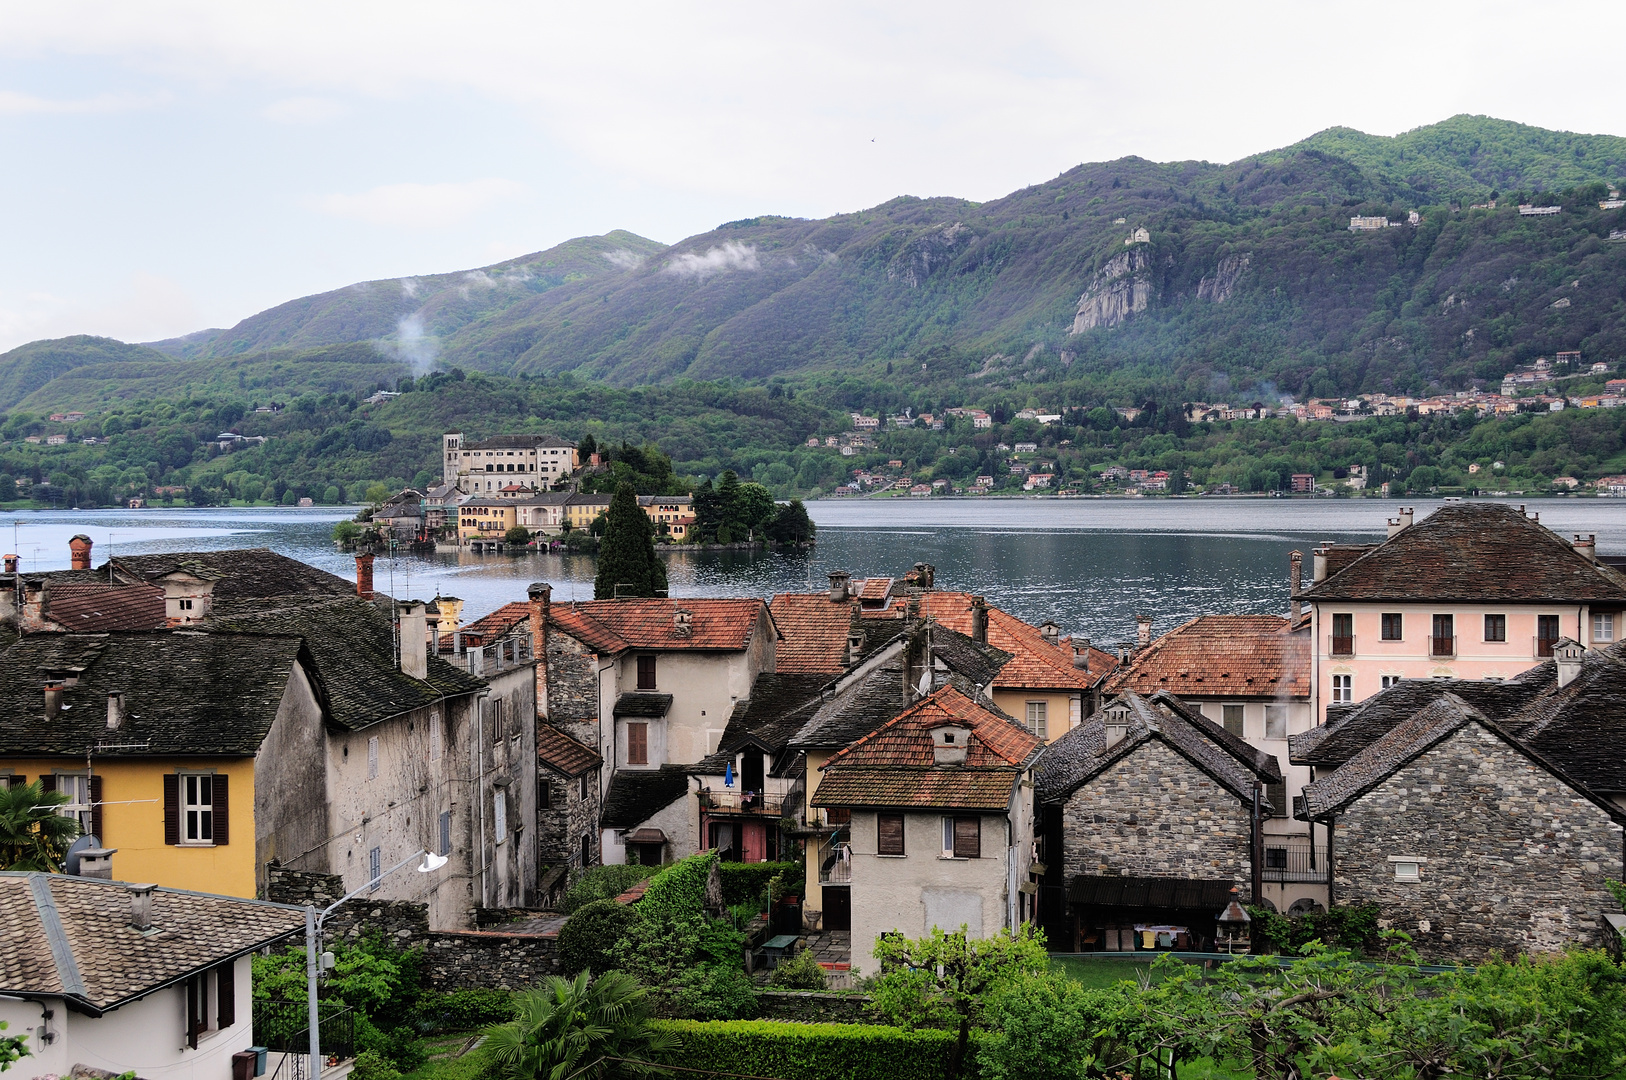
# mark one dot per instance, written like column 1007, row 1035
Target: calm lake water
column 1088, row 564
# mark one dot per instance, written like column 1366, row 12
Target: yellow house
column 156, row 737
column 581, row 510
column 673, row 515
column 485, row 518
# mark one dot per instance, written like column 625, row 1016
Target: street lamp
column 313, row 936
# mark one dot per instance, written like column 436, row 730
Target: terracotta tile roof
column 813, row 632
column 895, row 764
column 71, row 937
column 489, row 628
column 1474, row 552
column 724, row 625
column 563, row 754
column 1221, row 655
column 80, row 607
column 875, row 589
column 590, row 632
column 1035, row 663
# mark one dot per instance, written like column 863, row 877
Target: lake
column 1088, row 564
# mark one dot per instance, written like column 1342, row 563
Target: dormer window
column 950, row 744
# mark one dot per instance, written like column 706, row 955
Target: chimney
column 141, row 906
column 950, row 745
column 11, row 564
column 414, row 630
column 1318, row 571
column 1587, row 546
column 1567, row 653
column 53, row 699
column 1143, row 630
column 364, row 572
column 1401, row 522
column 979, row 620
column 1051, row 634
column 79, row 550
column 96, row 862
column 682, row 622
column 115, row 711
column 839, row 580
column 1295, row 579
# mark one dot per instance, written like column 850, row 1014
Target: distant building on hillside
column 1139, row 236
column 535, row 460
column 1526, row 210
column 1360, row 224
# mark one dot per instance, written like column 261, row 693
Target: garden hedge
column 814, row 1051
column 749, row 881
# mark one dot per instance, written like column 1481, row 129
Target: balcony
column 1442, row 647
column 1544, row 647
column 742, row 803
column 1339, row 645
column 834, row 869
column 1304, row 864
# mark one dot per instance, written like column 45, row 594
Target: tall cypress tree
column 626, row 555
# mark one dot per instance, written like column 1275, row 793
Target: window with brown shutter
column 637, row 744
column 172, row 809
column 968, row 838
column 222, row 817
column 96, row 809
column 225, row 995
column 889, row 834
column 646, row 673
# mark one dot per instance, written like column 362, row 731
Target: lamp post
column 313, row 937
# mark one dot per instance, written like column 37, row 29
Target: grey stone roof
column 635, row 795
column 1251, row 757
column 977, row 662
column 776, row 710
column 353, row 644
column 643, row 704
column 1082, row 753
column 519, row 442
column 244, row 574
column 1582, row 727
column 186, row 692
column 854, row 710
column 71, row 937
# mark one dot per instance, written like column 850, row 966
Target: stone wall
column 572, row 681
column 458, row 959
column 1513, row 860
column 815, row 1007
column 1153, row 813
column 569, row 817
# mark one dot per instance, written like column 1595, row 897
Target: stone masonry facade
column 572, row 688
column 1152, row 813
column 1513, row 860
column 569, row 817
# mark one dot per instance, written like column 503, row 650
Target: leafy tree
column 947, row 977
column 567, row 1030
column 11, row 1048
column 627, row 563
column 791, row 527
column 33, row 836
column 518, row 536
column 753, row 509
column 730, row 529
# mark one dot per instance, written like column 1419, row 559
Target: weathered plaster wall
column 290, row 806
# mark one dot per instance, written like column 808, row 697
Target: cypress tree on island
column 626, row 555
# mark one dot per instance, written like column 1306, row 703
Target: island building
column 488, row 465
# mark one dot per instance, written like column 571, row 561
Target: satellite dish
column 87, row 842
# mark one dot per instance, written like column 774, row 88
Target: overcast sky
column 166, row 167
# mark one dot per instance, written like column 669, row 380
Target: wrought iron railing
column 1284, row 864
column 742, row 802
column 283, row 1025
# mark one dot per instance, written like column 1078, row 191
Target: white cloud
column 717, row 260
column 622, row 259
column 13, row 103
column 419, row 206
column 304, row 111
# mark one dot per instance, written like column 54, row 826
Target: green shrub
column 404, row 1049
column 800, row 972
column 693, row 968
column 463, row 1010
column 372, row 1065
column 588, row 940
column 811, row 1051
column 744, row 882
column 1345, row 926
column 679, row 890
column 603, row 883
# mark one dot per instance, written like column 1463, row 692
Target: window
column 1387, row 681
column 434, row 738
column 197, row 809
column 375, row 868
column 587, row 849
column 1343, row 689
column 1603, row 626
column 1277, row 794
column 496, row 705
column 79, row 805
column 646, row 673
column 962, row 837
column 1495, row 627
column 1406, row 870
column 499, row 816
column 1275, row 721
column 1546, row 634
column 889, row 834
column 544, row 794
column 581, row 786
column 372, row 758
column 637, row 744
column 1038, row 718
column 445, row 832
column 184, row 605
column 1233, row 719
column 1343, row 625
column 1393, row 626
column 1444, row 641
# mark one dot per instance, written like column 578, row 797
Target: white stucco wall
column 146, row 1036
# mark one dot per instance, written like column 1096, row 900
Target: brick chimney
column 839, row 582
column 1295, row 579
column 11, row 564
column 79, row 550
column 979, row 620
column 540, row 596
column 1587, row 546
column 141, row 906
column 364, row 572
column 1143, row 630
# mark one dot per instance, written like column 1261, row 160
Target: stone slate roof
column 776, row 710
column 1581, row 727
column 243, row 574
column 1474, row 552
column 643, row 704
column 186, row 692
column 894, row 766
column 564, row 755
column 519, row 442
column 1221, row 655
column 1262, row 763
column 635, row 795
column 83, row 607
column 1082, row 753
column 718, row 625
column 1150, row 892
column 854, row 710
column 353, row 644
column 1348, row 732
column 71, row 937
column 981, row 664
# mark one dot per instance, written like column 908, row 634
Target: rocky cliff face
column 1219, row 285
column 1119, row 289
column 932, row 251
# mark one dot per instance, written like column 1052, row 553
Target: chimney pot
column 1051, row 633
column 79, row 551
column 364, row 572
column 1587, row 546
column 115, row 711
column 839, row 582
column 53, row 699
column 141, row 906
column 1295, row 578
column 979, row 620
column 1143, row 630
column 11, row 564
column 1567, row 653
column 414, row 637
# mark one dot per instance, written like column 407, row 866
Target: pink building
column 1478, row 590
